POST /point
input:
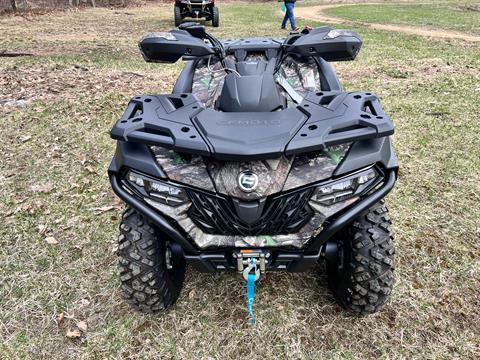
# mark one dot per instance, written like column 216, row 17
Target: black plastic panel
column 337, row 118
column 368, row 152
column 181, row 122
column 344, row 46
column 281, row 215
column 135, row 156
column 249, row 135
column 251, row 44
column 162, row 120
column 257, row 93
column 156, row 47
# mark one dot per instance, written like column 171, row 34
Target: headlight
column 345, row 188
column 160, row 191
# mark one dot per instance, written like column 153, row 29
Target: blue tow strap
column 250, row 297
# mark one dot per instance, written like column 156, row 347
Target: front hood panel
column 274, row 176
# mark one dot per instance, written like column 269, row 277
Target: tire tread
column 368, row 277
column 143, row 274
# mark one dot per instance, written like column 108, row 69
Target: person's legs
column 290, row 7
column 285, row 18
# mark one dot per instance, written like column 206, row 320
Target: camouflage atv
column 257, row 161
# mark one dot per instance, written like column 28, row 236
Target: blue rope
column 250, row 297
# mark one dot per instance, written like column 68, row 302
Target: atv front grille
column 285, row 214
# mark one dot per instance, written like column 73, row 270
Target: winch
column 248, row 260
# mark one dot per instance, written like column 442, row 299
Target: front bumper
column 281, row 259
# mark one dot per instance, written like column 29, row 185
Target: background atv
column 196, row 9
column 258, row 161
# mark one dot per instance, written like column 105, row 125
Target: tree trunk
column 93, row 3
column 14, row 4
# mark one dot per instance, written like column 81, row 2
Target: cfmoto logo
column 248, row 181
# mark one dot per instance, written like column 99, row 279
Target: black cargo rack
column 181, row 122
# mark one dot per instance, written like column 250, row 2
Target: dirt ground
column 59, row 291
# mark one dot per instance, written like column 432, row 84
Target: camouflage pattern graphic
column 312, row 167
column 297, row 240
column 275, row 175
column 208, row 81
column 271, row 176
column 184, row 169
column 303, row 76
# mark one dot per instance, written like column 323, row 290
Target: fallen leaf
column 82, row 326
column 60, row 318
column 102, row 209
column 74, row 185
column 51, row 240
column 84, row 302
column 25, row 138
column 42, row 229
column 90, row 169
column 41, row 188
column 73, row 334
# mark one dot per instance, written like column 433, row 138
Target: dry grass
column 60, row 140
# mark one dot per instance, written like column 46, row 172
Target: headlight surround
column 345, row 188
column 160, row 191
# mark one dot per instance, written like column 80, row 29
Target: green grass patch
column 458, row 16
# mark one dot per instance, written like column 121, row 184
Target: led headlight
column 160, row 191
column 345, row 188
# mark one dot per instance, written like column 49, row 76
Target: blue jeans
column 289, row 16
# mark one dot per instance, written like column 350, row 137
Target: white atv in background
column 196, row 9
